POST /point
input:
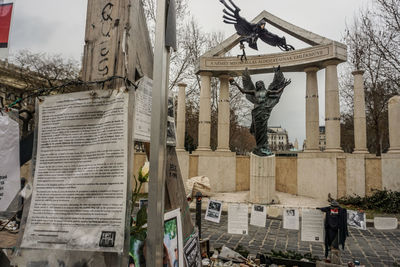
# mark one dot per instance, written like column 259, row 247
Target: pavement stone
column 372, row 247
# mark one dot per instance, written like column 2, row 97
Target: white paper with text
column 9, row 161
column 143, row 109
column 80, row 182
column 312, row 225
column 238, row 219
column 258, row 215
column 291, row 219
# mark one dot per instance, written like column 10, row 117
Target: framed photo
column 214, row 210
column 173, row 241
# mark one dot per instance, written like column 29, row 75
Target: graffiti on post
column 104, row 45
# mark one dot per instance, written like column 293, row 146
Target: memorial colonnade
column 332, row 111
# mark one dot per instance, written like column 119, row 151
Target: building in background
column 278, row 139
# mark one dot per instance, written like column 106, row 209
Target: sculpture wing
column 279, row 81
column 242, row 26
column 248, row 85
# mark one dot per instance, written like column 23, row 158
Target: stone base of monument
column 262, row 179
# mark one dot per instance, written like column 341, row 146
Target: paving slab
column 372, row 247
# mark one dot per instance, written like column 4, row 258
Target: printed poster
column 143, row 109
column 258, row 215
column 356, row 219
column 312, row 225
column 10, row 182
column 80, row 183
column 214, row 210
column 238, row 219
column 192, row 251
column 291, row 219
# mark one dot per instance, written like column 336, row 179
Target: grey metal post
column 155, row 230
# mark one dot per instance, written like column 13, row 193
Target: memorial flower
column 144, row 173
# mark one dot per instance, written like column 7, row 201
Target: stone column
column 360, row 126
column 223, row 114
column 312, row 111
column 394, row 124
column 205, row 112
column 180, row 118
column 332, row 108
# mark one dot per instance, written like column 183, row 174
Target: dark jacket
column 335, row 226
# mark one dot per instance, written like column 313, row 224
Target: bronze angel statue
column 250, row 32
column 264, row 101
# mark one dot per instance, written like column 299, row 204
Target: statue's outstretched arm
column 233, row 82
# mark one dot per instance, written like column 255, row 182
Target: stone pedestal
column 394, row 124
column 262, row 179
column 355, row 175
column 390, row 171
column 317, row 174
column 219, row 167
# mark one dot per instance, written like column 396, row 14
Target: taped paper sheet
column 143, row 109
column 291, row 219
column 356, row 219
column 214, row 210
column 9, row 161
column 258, row 215
column 80, row 182
column 238, row 219
column 312, row 225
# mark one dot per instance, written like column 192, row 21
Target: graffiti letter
column 103, row 69
column 106, row 13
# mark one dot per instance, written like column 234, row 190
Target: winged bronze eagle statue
column 250, row 32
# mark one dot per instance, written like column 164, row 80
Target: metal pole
column 155, row 230
column 199, row 196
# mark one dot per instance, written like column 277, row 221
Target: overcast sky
column 58, row 26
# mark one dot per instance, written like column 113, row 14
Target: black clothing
column 335, row 227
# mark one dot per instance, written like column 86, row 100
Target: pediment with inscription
column 321, row 50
